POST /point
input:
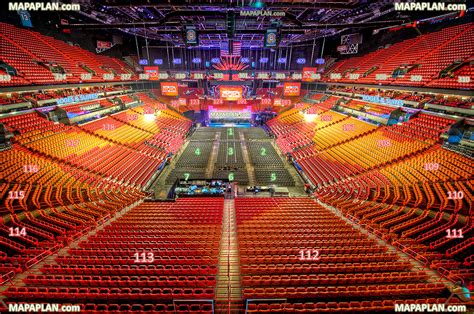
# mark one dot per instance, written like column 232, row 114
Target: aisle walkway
column 228, row 290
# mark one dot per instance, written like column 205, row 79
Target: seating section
column 154, row 254
column 371, row 108
column 295, row 131
column 255, row 134
column 110, row 147
column 230, row 163
column 437, row 59
column 39, row 59
column 52, row 203
column 399, row 182
column 411, row 98
column 341, row 132
column 297, row 250
column 117, row 131
column 268, row 165
column 363, row 153
column 424, row 127
column 59, row 182
column 31, row 126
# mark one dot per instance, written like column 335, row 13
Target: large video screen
column 292, row 89
column 231, row 92
column 169, row 88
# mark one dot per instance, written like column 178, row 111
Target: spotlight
column 309, row 117
column 149, row 117
column 258, row 4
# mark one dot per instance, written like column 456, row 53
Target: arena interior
column 236, row 156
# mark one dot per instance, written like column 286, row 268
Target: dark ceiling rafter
column 284, row 29
column 165, row 4
column 164, row 20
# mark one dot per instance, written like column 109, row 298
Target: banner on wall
column 231, row 92
column 25, row 18
column 169, row 88
column 292, row 89
column 152, row 72
column 104, row 44
column 308, row 74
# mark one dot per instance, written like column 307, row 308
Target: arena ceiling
column 218, row 20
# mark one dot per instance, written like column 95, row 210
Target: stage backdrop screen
column 152, row 72
column 231, row 92
column 291, row 89
column 169, row 88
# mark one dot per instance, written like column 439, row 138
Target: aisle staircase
column 228, row 290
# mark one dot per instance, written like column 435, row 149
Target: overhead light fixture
column 258, row 4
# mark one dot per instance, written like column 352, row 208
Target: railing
column 447, row 275
column 6, row 277
column 420, row 258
